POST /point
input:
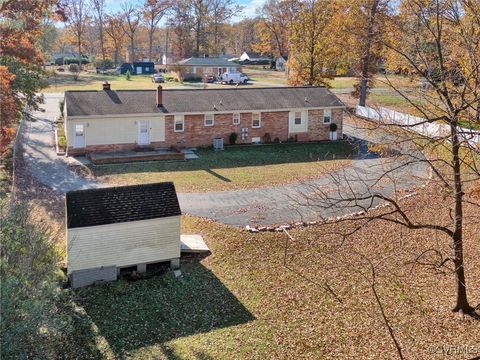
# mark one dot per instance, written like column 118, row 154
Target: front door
column 143, row 132
column 79, row 141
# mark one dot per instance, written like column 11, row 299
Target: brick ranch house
column 109, row 120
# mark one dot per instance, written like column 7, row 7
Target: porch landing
column 133, row 156
column 193, row 244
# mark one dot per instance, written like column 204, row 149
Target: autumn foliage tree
column 21, row 29
column 311, row 54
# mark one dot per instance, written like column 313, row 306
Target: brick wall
column 197, row 134
column 317, row 130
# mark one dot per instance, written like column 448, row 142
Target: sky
column 249, row 7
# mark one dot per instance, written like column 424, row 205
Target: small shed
column 140, row 68
column 127, row 227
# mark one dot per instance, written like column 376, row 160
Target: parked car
column 209, row 78
column 234, row 77
column 158, row 78
column 60, row 69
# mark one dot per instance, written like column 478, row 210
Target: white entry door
column 79, row 141
column 143, row 132
column 139, row 70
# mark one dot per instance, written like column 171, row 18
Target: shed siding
column 109, row 131
column 123, row 244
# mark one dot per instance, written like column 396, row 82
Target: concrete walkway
column 268, row 205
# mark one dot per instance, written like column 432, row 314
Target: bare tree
column 153, row 12
column 130, row 24
column 431, row 39
column 76, row 12
column 99, row 8
column 221, row 12
column 366, row 56
column 114, row 29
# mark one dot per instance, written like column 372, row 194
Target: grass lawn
column 244, row 302
column 236, row 167
column 92, row 81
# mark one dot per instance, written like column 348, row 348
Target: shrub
column 233, row 138
column 276, row 140
column 107, row 63
column 127, row 75
column 333, row 127
column 267, row 138
column 31, row 324
column 61, row 105
column 75, row 70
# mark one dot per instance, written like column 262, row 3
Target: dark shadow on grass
column 243, row 156
column 132, row 315
column 217, row 175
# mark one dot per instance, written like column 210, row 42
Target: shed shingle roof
column 110, row 102
column 121, row 204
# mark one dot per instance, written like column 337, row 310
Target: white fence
column 417, row 124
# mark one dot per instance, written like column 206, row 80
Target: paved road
column 269, row 205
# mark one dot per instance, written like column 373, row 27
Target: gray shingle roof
column 121, row 204
column 84, row 103
column 207, row 61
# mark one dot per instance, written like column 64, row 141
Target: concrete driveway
column 266, row 205
column 38, row 141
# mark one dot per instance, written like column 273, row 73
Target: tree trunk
column 366, row 54
column 116, row 55
column 102, row 45
column 150, row 44
column 462, row 304
column 132, row 50
column 197, row 40
column 79, row 54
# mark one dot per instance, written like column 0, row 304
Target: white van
column 234, row 78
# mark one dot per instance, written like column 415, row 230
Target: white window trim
column 236, row 123
column 329, row 117
column 205, row 119
column 259, row 120
column 295, row 118
column 178, row 120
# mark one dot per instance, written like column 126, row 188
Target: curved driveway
column 266, row 205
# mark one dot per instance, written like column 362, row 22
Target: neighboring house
column 127, row 227
column 249, row 57
column 109, row 120
column 197, row 67
column 167, row 59
column 281, row 63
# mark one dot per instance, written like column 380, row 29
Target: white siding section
column 301, row 128
column 108, row 131
column 123, row 244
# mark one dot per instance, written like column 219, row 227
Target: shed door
column 139, row 70
column 143, row 132
column 79, row 141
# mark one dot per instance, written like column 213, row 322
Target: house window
column 208, row 120
column 327, row 116
column 178, row 123
column 79, row 129
column 256, row 120
column 298, row 118
column 236, row 119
